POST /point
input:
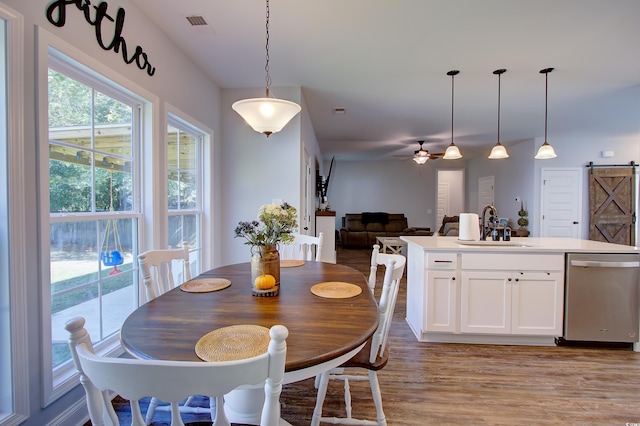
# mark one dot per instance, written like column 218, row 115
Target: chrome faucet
column 485, row 228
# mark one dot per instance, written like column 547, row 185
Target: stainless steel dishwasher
column 601, row 297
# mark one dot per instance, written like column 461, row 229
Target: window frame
column 14, row 408
column 76, row 64
column 179, row 119
column 184, row 126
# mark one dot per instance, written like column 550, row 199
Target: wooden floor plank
column 457, row 384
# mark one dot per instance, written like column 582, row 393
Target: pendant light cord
column 499, row 107
column 266, row 66
column 452, row 78
column 499, row 72
column 452, row 73
column 546, row 91
column 546, row 72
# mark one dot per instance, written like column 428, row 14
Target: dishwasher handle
column 601, row 264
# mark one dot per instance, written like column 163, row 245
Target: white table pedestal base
column 245, row 405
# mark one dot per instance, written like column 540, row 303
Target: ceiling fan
column 422, row 155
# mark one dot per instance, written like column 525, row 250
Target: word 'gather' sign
column 57, row 15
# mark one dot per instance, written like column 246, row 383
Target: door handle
column 575, row 222
column 600, row 264
column 306, row 228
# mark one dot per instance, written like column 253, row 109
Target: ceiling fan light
column 498, row 152
column 266, row 115
column 420, row 159
column 452, row 152
column 545, row 152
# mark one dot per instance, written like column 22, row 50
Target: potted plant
column 523, row 221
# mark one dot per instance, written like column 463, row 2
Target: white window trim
column 16, row 209
column 207, row 187
column 45, row 41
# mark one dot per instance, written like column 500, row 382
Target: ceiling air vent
column 196, row 20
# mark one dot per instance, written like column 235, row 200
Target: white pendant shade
column 452, row 152
column 545, row 152
column 266, row 115
column 498, row 152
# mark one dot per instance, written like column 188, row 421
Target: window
column 93, row 221
column 184, row 185
column 14, row 389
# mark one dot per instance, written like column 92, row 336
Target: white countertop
column 520, row 244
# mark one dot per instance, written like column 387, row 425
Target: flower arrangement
column 274, row 225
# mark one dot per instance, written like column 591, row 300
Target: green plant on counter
column 522, row 220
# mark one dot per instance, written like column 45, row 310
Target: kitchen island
column 497, row 292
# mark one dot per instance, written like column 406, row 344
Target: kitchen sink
column 491, row 243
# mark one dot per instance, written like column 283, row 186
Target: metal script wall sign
column 57, row 15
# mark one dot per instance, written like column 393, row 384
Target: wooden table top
column 320, row 329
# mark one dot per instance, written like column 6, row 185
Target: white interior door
column 450, row 194
column 443, row 201
column 305, row 214
column 561, row 203
column 485, row 192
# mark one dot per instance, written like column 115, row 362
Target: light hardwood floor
column 434, row 383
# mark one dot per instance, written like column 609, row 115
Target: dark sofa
column 362, row 229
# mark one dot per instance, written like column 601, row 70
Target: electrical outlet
column 518, row 199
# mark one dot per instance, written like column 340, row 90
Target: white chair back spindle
column 303, row 247
column 157, row 269
column 173, row 381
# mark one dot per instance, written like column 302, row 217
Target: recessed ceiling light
column 196, row 20
column 339, row 110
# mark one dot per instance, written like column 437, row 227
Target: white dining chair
column 379, row 258
column 372, row 358
column 161, row 271
column 172, row 381
column 158, row 269
column 302, row 247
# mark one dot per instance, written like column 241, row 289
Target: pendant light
column 452, row 152
column 546, row 151
column 266, row 115
column 499, row 151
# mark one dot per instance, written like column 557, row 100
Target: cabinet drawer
column 513, row 262
column 439, row 260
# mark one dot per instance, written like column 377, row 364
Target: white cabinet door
column 416, row 289
column 537, row 303
column 485, row 302
column 442, row 301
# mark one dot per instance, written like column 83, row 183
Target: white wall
column 256, row 169
column 513, row 177
column 177, row 81
column 578, row 152
column 519, row 175
column 396, row 186
column 402, row 187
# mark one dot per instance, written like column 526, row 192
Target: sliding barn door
column 612, row 204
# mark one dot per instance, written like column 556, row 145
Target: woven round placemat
column 233, row 342
column 336, row 290
column 205, row 285
column 291, row 263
